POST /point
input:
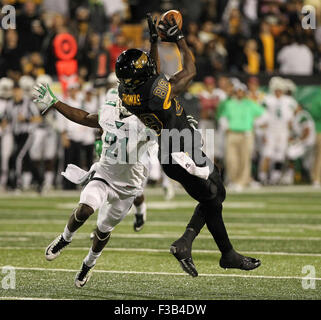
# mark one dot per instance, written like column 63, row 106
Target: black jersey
column 151, row 104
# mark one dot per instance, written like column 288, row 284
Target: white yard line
column 268, row 253
column 160, row 236
column 265, row 226
column 163, row 205
column 165, row 273
column 179, row 191
column 28, row 298
column 260, row 215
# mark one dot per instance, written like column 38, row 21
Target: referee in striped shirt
column 23, row 116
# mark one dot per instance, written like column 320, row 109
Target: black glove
column 192, row 121
column 170, row 30
column 153, row 35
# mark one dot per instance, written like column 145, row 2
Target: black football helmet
column 134, row 67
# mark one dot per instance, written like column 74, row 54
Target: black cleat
column 181, row 250
column 139, row 221
column 234, row 260
column 54, row 249
column 83, row 275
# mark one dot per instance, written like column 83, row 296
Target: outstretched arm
column 44, row 97
column 77, row 115
column 180, row 81
column 153, row 38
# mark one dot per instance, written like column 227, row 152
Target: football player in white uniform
column 113, row 182
column 6, row 136
column 45, row 142
column 302, row 137
column 26, row 83
column 280, row 112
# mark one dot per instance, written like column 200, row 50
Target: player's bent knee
column 217, row 187
column 105, row 227
column 139, row 200
column 83, row 212
column 102, row 236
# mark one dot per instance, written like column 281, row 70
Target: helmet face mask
column 134, row 67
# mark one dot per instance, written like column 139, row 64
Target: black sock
column 197, row 221
column 215, row 224
column 189, row 235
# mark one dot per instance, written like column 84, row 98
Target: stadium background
column 230, row 40
column 76, row 43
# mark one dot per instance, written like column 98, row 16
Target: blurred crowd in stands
column 261, row 136
column 228, row 35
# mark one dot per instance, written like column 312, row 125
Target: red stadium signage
column 65, row 48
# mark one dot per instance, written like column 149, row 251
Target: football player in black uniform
column 152, row 98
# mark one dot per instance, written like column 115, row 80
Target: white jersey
column 3, row 108
column 280, row 112
column 303, row 120
column 124, row 159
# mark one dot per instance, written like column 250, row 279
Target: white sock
column 263, row 176
column 67, row 234
column 49, row 178
column 91, row 258
column 26, row 180
column 276, row 176
column 141, row 209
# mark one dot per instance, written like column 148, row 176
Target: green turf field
column 282, row 227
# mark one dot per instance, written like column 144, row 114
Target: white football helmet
column 88, row 87
column 277, row 83
column 26, row 83
column 6, row 88
column 44, row 78
column 290, row 86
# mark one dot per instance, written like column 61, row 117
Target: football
column 169, row 15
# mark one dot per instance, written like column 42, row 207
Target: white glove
column 43, row 96
column 190, row 166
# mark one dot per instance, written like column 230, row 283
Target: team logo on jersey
column 119, row 124
column 131, row 99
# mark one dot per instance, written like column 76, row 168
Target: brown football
column 169, row 15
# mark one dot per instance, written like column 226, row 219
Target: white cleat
column 83, row 276
column 55, row 247
column 140, row 219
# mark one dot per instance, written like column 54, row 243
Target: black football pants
column 210, row 194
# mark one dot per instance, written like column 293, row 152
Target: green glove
column 43, row 96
